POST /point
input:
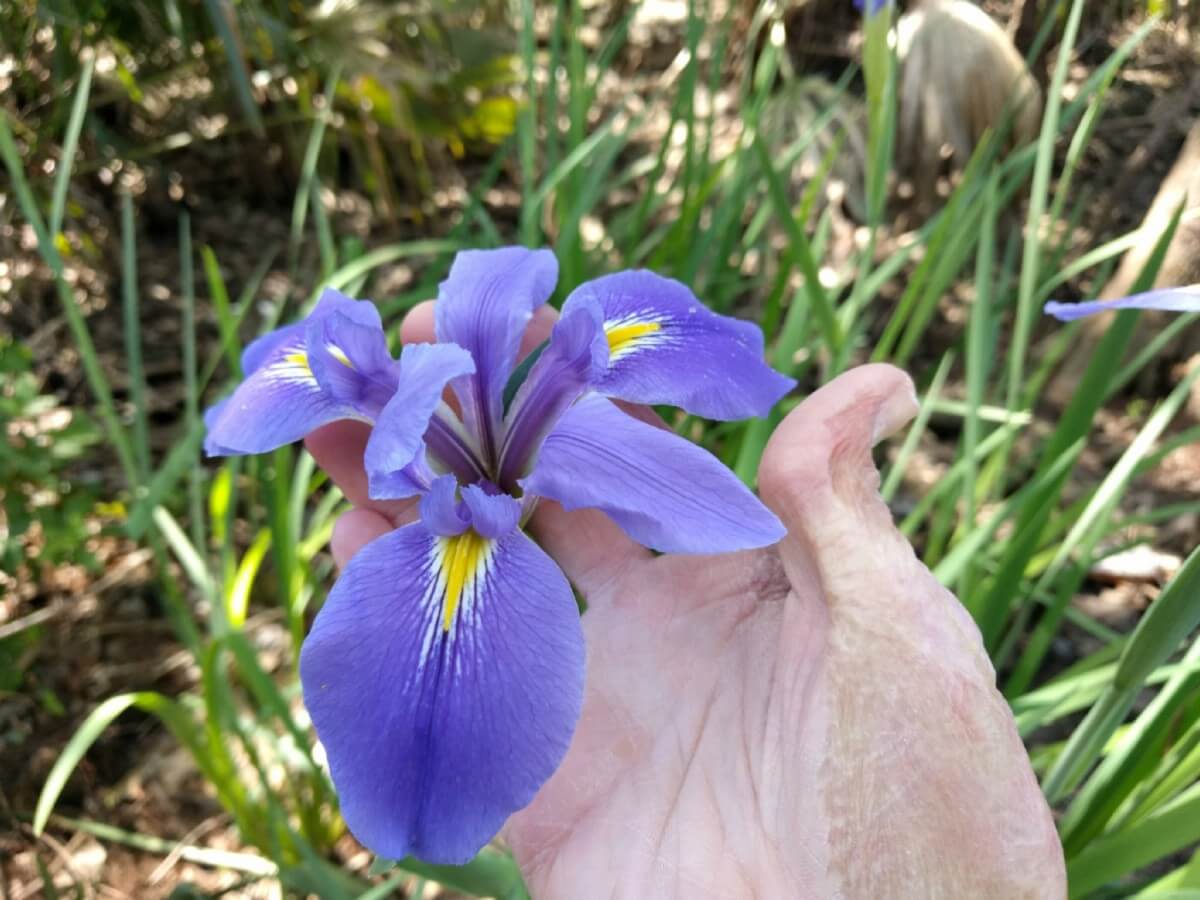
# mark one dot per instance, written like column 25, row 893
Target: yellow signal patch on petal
column 626, row 335
column 299, row 359
column 464, row 559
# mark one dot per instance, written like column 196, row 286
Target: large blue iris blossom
column 444, row 674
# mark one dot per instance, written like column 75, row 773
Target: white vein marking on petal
column 292, row 366
column 470, row 599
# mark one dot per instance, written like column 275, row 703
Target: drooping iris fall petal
column 664, row 491
column 444, row 676
column 665, row 346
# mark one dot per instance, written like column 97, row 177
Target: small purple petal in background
column 398, row 439
column 663, row 490
column 668, row 347
column 1181, row 299
column 436, row 736
column 483, row 306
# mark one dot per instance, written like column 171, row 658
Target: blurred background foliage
column 418, row 81
column 180, row 175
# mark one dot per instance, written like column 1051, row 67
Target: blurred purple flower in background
column 871, row 7
column 1180, row 299
column 444, row 673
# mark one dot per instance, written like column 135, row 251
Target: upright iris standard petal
column 667, row 347
column 282, row 398
column 484, row 306
column 664, row 491
column 576, row 355
column 330, row 301
column 351, row 362
column 1181, row 299
column 399, row 439
column 444, row 677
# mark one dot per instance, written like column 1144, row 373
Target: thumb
column 818, row 476
column 907, row 671
column 818, row 463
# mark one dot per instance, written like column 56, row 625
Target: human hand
column 818, row 719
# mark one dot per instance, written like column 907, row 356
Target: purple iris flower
column 1180, row 299
column 444, row 674
column 871, row 6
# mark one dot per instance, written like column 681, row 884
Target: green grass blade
column 1157, row 636
column 170, row 712
column 1089, row 527
column 191, row 390
column 527, row 124
column 1108, row 858
column 1034, row 223
column 62, row 181
column 308, row 167
column 238, row 73
column 133, row 338
column 180, row 460
column 187, row 555
column 801, row 249
column 913, row 437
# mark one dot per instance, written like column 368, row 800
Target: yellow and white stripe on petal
column 340, row 355
column 293, row 367
column 631, row 333
column 459, row 567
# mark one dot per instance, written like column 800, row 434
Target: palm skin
column 815, row 720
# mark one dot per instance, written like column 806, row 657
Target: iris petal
column 351, row 362
column 440, row 508
column 668, row 347
column 280, row 402
column 664, row 491
column 333, row 365
column 484, row 306
column 436, row 735
column 398, row 440
column 492, row 515
column 576, row 355
column 1181, row 299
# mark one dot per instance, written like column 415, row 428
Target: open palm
column 814, row 720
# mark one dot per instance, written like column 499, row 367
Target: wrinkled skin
column 817, row 720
